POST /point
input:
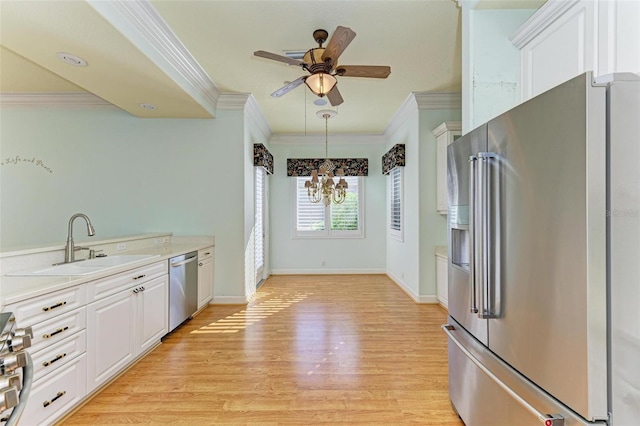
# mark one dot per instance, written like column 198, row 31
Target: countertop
column 18, row 288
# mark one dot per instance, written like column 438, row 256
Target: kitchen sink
column 90, row 266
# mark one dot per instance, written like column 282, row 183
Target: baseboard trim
column 427, row 299
column 325, row 271
column 229, row 300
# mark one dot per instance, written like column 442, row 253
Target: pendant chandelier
column 321, row 186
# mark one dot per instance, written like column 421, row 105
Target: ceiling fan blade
column 279, row 58
column 370, row 71
column 334, row 96
column 288, row 87
column 340, row 39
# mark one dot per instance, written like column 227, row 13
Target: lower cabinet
column 122, row 326
column 55, row 394
column 205, row 276
column 442, row 276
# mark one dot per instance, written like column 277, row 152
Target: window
column 334, row 221
column 395, row 198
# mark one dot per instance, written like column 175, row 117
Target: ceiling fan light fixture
column 320, row 83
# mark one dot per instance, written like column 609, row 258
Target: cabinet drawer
column 205, row 253
column 42, row 308
column 55, row 394
column 55, row 356
column 56, row 329
column 107, row 286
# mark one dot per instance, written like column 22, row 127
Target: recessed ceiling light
column 147, row 106
column 320, row 102
column 70, row 59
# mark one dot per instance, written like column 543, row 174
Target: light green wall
column 490, row 62
column 433, row 225
column 411, row 262
column 129, row 175
column 304, row 254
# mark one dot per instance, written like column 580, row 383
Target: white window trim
column 327, row 233
column 394, row 233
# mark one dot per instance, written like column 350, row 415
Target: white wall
column 305, row 255
column 129, row 175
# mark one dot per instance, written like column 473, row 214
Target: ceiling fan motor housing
column 313, row 59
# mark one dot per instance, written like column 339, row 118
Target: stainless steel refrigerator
column 544, row 260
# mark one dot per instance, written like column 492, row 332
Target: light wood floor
column 308, row 350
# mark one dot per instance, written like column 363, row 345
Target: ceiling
column 183, row 57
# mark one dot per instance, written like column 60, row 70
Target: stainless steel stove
column 16, row 369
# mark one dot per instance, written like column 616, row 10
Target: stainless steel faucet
column 69, row 250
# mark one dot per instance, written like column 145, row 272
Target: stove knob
column 18, row 343
column 13, row 361
column 27, row 331
column 11, row 381
column 8, row 398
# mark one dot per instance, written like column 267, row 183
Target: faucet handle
column 92, row 253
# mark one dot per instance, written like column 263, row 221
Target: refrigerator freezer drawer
column 484, row 390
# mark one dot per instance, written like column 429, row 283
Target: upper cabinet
column 445, row 134
column 565, row 38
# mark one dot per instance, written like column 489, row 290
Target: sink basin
column 90, row 266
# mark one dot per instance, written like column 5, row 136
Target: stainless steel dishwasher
column 183, row 288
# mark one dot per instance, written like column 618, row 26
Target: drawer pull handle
column 58, row 396
column 58, row 331
column 200, row 264
column 57, row 305
column 57, row 358
column 135, row 290
column 139, row 276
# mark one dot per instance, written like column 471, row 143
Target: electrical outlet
column 157, row 241
column 324, row 263
column 165, row 240
column 121, row 247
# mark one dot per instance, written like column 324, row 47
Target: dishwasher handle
column 183, row 262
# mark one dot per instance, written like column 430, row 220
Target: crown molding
column 404, row 112
column 36, row 99
column 233, row 101
column 347, row 139
column 541, row 19
column 438, row 100
column 141, row 24
column 418, row 101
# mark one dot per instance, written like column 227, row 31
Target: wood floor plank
column 307, row 350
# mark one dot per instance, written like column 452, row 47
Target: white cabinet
column 205, row 276
column 445, row 134
column 55, row 394
column 442, row 278
column 124, row 325
column 58, row 321
column 566, row 38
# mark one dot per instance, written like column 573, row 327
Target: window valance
column 262, row 157
column 350, row 166
column 395, row 157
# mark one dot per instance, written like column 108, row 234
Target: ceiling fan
column 322, row 64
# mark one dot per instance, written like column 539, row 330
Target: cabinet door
column 153, row 312
column 111, row 331
column 442, row 281
column 205, row 281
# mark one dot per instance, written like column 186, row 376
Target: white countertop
column 18, row 288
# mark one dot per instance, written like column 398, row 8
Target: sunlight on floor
column 253, row 313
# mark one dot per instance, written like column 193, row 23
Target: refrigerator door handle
column 473, row 303
column 545, row 419
column 488, row 221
